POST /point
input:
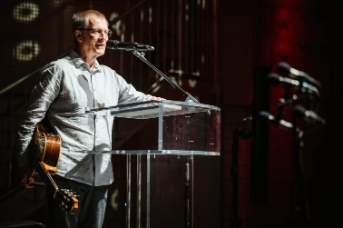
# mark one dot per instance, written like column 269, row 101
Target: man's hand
column 153, row 98
column 27, row 181
column 25, row 175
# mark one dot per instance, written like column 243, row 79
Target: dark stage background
column 220, row 52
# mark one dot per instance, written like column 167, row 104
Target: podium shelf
column 157, row 152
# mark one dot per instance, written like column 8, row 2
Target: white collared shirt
column 66, row 87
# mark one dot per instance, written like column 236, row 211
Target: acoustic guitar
column 47, row 147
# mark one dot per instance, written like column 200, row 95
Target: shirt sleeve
column 128, row 93
column 40, row 99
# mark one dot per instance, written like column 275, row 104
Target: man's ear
column 77, row 34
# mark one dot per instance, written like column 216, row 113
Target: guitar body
column 47, row 147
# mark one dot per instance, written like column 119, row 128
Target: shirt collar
column 79, row 62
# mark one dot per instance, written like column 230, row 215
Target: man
column 67, row 86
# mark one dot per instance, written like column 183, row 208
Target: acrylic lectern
column 183, row 129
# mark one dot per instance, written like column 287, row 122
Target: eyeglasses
column 98, row 32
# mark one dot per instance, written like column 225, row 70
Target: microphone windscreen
column 284, row 68
column 112, row 44
column 273, row 78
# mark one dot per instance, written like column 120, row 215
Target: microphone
column 286, row 69
column 279, row 122
column 288, row 82
column 308, row 115
column 115, row 44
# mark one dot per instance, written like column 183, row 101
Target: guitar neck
column 45, row 175
column 64, row 197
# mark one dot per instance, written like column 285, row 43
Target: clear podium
column 183, row 129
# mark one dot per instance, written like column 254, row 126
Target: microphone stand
column 141, row 56
column 300, row 206
column 299, row 203
column 189, row 162
column 237, row 134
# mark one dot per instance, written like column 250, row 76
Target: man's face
column 94, row 37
